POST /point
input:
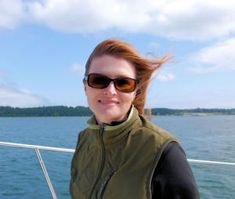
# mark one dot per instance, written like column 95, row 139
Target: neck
column 114, row 122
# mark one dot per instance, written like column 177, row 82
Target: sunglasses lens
column 121, row 84
column 98, row 81
column 125, row 84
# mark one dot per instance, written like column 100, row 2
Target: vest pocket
column 103, row 185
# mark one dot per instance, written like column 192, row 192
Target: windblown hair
column 144, row 67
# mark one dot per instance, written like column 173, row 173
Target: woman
column 121, row 155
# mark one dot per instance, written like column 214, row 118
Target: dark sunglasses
column 123, row 84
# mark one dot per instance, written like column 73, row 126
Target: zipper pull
column 102, row 127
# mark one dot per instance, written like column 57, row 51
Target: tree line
column 196, row 111
column 7, row 111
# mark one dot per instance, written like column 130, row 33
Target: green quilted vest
column 117, row 162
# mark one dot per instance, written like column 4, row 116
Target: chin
column 109, row 110
column 108, row 116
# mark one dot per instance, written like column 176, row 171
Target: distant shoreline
column 63, row 111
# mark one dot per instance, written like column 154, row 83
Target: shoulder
column 173, row 176
column 82, row 133
column 81, row 137
column 152, row 131
column 148, row 136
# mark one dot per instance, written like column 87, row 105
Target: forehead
column 112, row 66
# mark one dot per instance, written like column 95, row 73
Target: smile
column 108, row 101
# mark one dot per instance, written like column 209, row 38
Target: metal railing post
column 45, row 173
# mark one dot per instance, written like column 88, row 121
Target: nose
column 110, row 89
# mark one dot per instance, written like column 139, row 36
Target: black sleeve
column 173, row 177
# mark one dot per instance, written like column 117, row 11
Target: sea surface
column 203, row 137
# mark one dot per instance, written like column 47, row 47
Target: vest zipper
column 101, row 132
column 103, row 185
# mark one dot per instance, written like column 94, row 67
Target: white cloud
column 12, row 96
column 179, row 19
column 194, row 19
column 11, row 13
column 163, row 75
column 219, row 56
column 78, row 68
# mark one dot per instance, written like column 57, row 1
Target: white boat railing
column 37, row 149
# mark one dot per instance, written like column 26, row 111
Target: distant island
column 7, row 111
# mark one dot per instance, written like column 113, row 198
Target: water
column 203, row 137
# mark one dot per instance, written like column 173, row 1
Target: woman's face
column 109, row 104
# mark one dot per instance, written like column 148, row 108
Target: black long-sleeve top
column 173, row 177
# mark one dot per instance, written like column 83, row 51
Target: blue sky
column 44, row 45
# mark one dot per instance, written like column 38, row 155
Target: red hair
column 144, row 67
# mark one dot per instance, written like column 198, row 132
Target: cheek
column 129, row 98
column 89, row 92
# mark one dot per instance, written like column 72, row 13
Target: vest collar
column 112, row 133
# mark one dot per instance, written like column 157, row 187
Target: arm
column 173, row 177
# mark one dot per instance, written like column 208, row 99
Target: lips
column 108, row 101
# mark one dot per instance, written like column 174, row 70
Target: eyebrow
column 116, row 77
